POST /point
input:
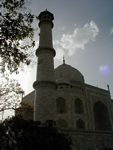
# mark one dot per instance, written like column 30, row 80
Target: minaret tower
column 44, row 85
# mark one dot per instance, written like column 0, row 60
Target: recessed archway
column 61, row 105
column 80, row 124
column 78, row 106
column 101, row 117
column 62, row 123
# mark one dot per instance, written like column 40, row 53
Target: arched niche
column 62, row 123
column 101, row 117
column 80, row 124
column 78, row 106
column 61, row 105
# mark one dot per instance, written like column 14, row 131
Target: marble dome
column 67, row 74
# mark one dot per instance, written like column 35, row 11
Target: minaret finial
column 63, row 60
column 108, row 89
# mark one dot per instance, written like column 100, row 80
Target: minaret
column 44, row 105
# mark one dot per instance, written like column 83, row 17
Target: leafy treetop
column 16, row 34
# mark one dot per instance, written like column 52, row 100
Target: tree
column 10, row 94
column 19, row 134
column 16, row 34
column 26, row 110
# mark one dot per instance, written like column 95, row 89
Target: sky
column 83, row 34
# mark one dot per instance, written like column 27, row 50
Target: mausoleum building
column 83, row 111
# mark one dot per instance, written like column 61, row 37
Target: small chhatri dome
column 46, row 15
column 67, row 74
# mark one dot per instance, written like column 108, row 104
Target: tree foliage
column 19, row 134
column 10, row 94
column 16, row 34
column 26, row 110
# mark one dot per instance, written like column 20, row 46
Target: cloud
column 62, row 28
column 112, row 31
column 70, row 42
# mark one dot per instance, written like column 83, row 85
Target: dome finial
column 63, row 60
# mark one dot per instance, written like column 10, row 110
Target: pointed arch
column 78, row 106
column 101, row 117
column 62, row 123
column 80, row 124
column 61, row 105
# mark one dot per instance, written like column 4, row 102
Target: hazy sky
column 83, row 33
